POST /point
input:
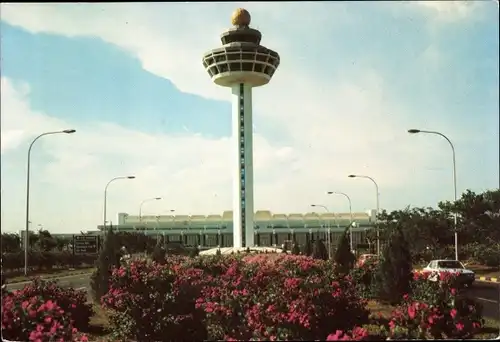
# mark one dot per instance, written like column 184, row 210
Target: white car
column 465, row 276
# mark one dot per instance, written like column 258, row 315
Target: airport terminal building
column 270, row 229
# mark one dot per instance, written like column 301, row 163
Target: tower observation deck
column 241, row 64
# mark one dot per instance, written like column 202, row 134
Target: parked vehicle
column 364, row 258
column 465, row 276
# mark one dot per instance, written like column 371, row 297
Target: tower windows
column 242, row 160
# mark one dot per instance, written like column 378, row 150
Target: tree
column 343, row 255
column 478, row 216
column 395, row 271
column 109, row 257
column 295, row 249
column 194, row 252
column 427, row 230
column 158, row 254
column 62, row 243
column 11, row 243
column 307, row 248
column 319, row 250
column 45, row 241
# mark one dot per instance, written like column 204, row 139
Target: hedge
column 38, row 261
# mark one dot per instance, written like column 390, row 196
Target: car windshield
column 449, row 264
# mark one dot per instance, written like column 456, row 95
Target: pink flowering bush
column 237, row 297
column 73, row 302
column 435, row 310
column 282, row 297
column 148, row 301
column 36, row 319
column 271, row 297
column 357, row 334
column 364, row 279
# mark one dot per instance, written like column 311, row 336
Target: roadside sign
column 85, row 244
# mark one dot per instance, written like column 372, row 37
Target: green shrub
column 109, row 257
column 319, row 250
column 395, row 270
column 158, row 254
column 194, row 252
column 343, row 255
column 307, row 250
column 295, row 249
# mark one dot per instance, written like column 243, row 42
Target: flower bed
column 42, row 311
column 240, row 297
column 434, row 310
column 233, row 298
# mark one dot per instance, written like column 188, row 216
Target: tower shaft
column 241, row 64
column 243, row 208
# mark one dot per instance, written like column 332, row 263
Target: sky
column 353, row 78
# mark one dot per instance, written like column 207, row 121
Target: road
column 488, row 294
column 76, row 281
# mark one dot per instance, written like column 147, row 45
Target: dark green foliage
column 343, row 256
column 394, row 273
column 158, row 254
column 307, row 250
column 10, row 243
column 319, row 250
column 109, row 257
column 365, row 281
column 45, row 240
column 218, row 252
column 176, row 248
column 295, row 249
column 247, row 250
column 194, row 252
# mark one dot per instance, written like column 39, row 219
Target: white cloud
column 452, row 11
column 336, row 127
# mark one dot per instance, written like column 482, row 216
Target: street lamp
column 328, row 233
column 105, row 197
column 415, row 131
column 66, row 131
column 350, row 213
column 146, row 200
column 378, row 207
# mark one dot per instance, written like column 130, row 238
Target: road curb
column 47, row 278
column 488, row 279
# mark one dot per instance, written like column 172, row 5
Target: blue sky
column 354, row 77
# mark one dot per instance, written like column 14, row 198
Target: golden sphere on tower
column 240, row 17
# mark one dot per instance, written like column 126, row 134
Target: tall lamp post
column 106, row 194
column 66, row 131
column 142, row 203
column 415, row 131
column 328, row 234
column 350, row 213
column 378, row 207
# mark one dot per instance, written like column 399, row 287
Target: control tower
column 241, row 64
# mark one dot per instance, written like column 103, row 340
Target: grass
column 99, row 328
column 48, row 274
